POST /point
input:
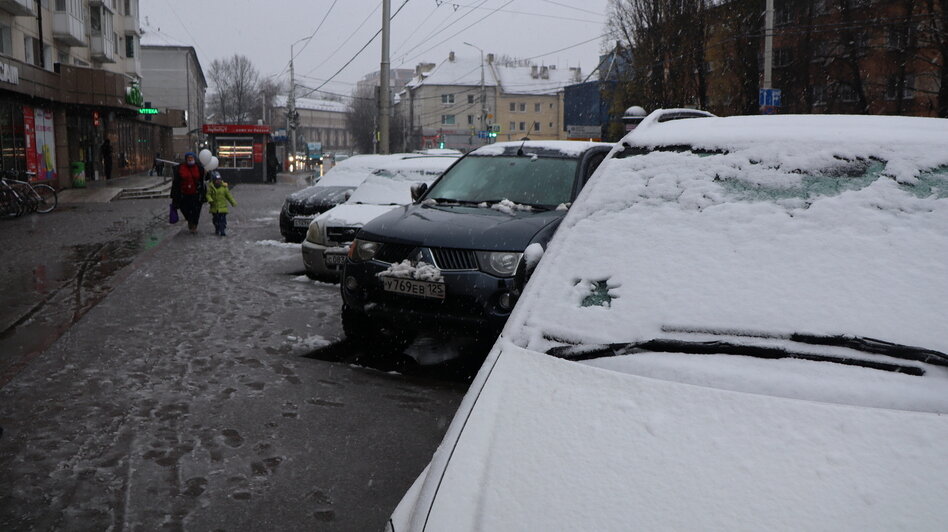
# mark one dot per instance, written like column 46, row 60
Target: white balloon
column 204, row 156
column 212, row 164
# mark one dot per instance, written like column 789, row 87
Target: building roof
column 313, row 104
column 527, row 79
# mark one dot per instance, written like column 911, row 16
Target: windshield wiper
column 661, row 345
column 455, row 201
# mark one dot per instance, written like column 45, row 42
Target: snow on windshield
column 750, row 240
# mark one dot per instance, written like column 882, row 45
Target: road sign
column 769, row 97
column 583, row 132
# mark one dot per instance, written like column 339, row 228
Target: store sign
column 237, row 129
column 133, row 95
column 148, row 111
column 9, row 74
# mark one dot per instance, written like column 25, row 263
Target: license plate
column 301, row 221
column 334, row 259
column 413, row 288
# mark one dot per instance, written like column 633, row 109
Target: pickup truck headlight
column 499, row 263
column 313, row 234
column 362, row 250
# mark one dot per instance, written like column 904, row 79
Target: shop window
column 235, row 152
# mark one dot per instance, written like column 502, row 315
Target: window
column 129, row 46
column 536, row 125
column 60, row 5
column 894, row 89
column 6, row 40
column 513, row 126
column 846, row 92
column 783, row 57
column 63, row 58
column 513, row 107
column 95, row 19
column 819, row 94
column 31, row 51
column 447, row 99
column 523, row 126
column 470, row 120
column 48, row 57
column 522, row 107
column 536, row 108
column 470, row 98
column 115, row 41
column 235, row 152
column 447, row 120
column 897, row 37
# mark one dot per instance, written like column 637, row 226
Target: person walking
column 188, row 190
column 218, row 196
column 106, row 152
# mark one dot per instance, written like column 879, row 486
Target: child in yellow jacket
column 218, row 196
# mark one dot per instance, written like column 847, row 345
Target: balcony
column 19, row 8
column 102, row 47
column 68, row 29
column 108, row 4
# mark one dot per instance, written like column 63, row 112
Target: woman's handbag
column 172, row 214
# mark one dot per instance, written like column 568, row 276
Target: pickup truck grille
column 454, row 259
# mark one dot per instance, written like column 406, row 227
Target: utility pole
column 291, row 111
column 385, row 91
column 483, row 93
column 769, row 45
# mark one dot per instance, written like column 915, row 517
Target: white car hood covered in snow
column 837, row 227
column 557, row 445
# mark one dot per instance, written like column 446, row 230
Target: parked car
column 454, row 258
column 301, row 207
column 740, row 325
column 384, row 190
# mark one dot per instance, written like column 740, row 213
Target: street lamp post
column 483, row 90
column 291, row 119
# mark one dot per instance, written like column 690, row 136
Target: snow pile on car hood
column 421, row 271
column 562, row 446
column 755, row 239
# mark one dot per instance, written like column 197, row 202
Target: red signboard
column 257, row 153
column 237, row 129
column 29, row 131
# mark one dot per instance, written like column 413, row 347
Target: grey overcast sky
column 424, row 30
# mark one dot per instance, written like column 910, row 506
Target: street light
column 483, row 91
column 291, row 117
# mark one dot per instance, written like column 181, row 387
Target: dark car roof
column 571, row 149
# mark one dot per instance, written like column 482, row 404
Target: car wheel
column 374, row 337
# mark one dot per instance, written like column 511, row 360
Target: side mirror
column 418, row 190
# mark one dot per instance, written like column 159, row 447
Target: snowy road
column 187, row 399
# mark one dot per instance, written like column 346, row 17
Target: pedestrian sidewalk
column 130, row 186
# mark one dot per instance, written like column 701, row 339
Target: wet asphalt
column 151, row 379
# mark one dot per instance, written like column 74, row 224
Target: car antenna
column 520, row 149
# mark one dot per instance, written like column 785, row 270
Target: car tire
column 375, row 337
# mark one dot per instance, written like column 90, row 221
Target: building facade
column 172, row 78
column 70, row 78
column 322, row 121
column 453, row 104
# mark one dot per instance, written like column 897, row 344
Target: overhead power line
column 469, row 26
column 353, row 58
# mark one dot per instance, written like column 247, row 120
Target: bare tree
column 362, row 121
column 268, row 90
column 235, row 95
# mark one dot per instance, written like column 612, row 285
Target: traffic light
column 492, row 134
column 441, row 144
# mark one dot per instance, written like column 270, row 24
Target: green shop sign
column 148, row 111
column 133, row 95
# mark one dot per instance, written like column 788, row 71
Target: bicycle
column 18, row 197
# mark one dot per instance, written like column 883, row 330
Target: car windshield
column 526, row 179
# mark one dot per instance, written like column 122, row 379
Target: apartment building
column 453, row 102
column 172, row 78
column 69, row 78
column 322, row 121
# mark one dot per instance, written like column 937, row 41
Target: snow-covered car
column 741, row 324
column 384, row 190
column 454, row 258
column 301, row 207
